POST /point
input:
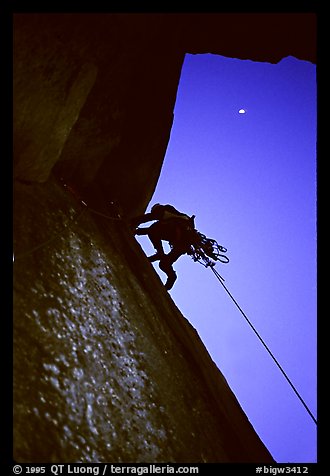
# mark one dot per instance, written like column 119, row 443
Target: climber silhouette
column 172, row 226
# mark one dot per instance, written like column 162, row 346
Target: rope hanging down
column 201, row 252
column 262, row 341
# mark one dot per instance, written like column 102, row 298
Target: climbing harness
column 220, row 278
column 206, row 251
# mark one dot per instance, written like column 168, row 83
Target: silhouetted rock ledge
column 106, row 368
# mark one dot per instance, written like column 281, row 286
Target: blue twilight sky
column 250, row 179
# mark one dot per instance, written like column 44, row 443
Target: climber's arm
column 136, row 221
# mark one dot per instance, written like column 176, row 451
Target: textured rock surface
column 95, row 93
column 105, row 366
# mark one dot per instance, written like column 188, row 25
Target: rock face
column 106, row 369
column 94, row 93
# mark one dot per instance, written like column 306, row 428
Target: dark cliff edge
column 106, row 368
column 94, row 94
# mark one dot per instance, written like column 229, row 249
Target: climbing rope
column 44, row 243
column 75, row 221
column 198, row 254
column 262, row 341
